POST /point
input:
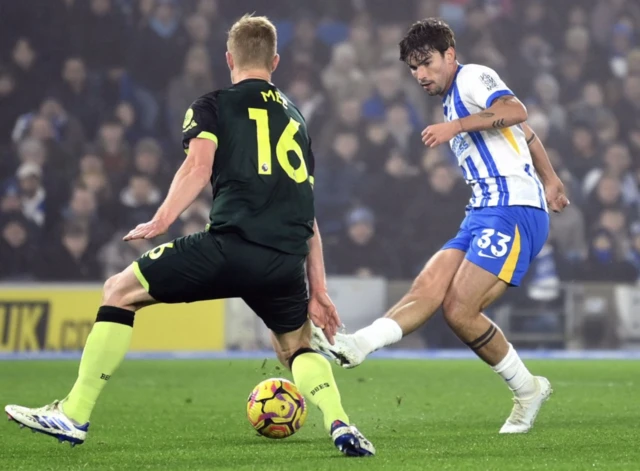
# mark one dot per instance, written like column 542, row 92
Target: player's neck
column 454, row 72
column 259, row 74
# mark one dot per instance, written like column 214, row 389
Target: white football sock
column 382, row 332
column 517, row 376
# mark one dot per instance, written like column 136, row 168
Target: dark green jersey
column 263, row 169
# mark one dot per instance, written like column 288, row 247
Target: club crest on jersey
column 188, row 122
column 488, row 81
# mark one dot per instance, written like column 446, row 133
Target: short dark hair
column 424, row 37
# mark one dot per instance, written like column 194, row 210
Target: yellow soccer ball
column 276, row 408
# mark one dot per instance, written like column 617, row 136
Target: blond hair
column 253, row 42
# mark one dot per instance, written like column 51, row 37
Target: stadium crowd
column 93, row 94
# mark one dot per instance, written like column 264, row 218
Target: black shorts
column 206, row 266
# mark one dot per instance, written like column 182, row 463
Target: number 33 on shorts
column 496, row 252
column 494, row 242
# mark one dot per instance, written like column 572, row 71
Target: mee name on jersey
column 497, row 162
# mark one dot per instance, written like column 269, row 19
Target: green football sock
column 106, row 347
column 313, row 376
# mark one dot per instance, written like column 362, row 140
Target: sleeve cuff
column 208, row 135
column 496, row 95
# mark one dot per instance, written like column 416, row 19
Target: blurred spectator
column 141, row 199
column 590, row 106
column 547, row 94
column 389, row 34
column 11, row 104
column 633, row 62
column 568, row 233
column 71, row 257
column 377, row 145
column 577, row 42
column 622, row 41
column 158, row 46
column 388, row 91
column 82, row 208
column 583, row 156
column 27, row 72
column 629, row 107
column 210, row 11
column 348, row 117
column 572, row 77
column 305, row 50
column 342, row 79
column 125, row 112
column 615, row 221
column 16, row 249
column 148, row 160
column 207, row 28
column 616, row 163
column 310, row 100
column 196, row 80
column 434, row 213
column 32, row 150
column 113, row 148
column 607, row 193
column 605, row 15
column 338, row 179
column 99, row 185
column 363, row 43
column 117, row 254
column 68, row 129
column 78, row 95
column 602, row 264
column 102, row 36
column 633, row 256
column 360, row 251
column 396, row 176
column 404, row 135
column 27, row 186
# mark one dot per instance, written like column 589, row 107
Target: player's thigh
column 281, row 298
column 187, row 269
column 472, row 289
column 436, row 276
column 125, row 291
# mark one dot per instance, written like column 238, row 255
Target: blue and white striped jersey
column 496, row 163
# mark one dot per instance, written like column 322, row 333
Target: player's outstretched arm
column 505, row 111
column 553, row 186
column 322, row 311
column 190, row 179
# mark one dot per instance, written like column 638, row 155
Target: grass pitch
column 420, row 415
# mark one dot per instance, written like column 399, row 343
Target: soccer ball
column 276, row 409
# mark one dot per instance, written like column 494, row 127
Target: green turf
column 421, row 415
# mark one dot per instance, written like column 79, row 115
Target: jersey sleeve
column 201, row 120
column 483, row 85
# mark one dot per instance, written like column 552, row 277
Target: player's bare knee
column 456, row 313
column 117, row 291
column 427, row 286
column 109, row 290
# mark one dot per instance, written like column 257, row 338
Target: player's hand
column 554, row 193
column 440, row 133
column 324, row 314
column 148, row 230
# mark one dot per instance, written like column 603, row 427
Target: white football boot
column 345, row 352
column 349, row 440
column 49, row 420
column 524, row 411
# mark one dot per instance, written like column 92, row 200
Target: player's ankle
column 527, row 389
column 381, row 333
